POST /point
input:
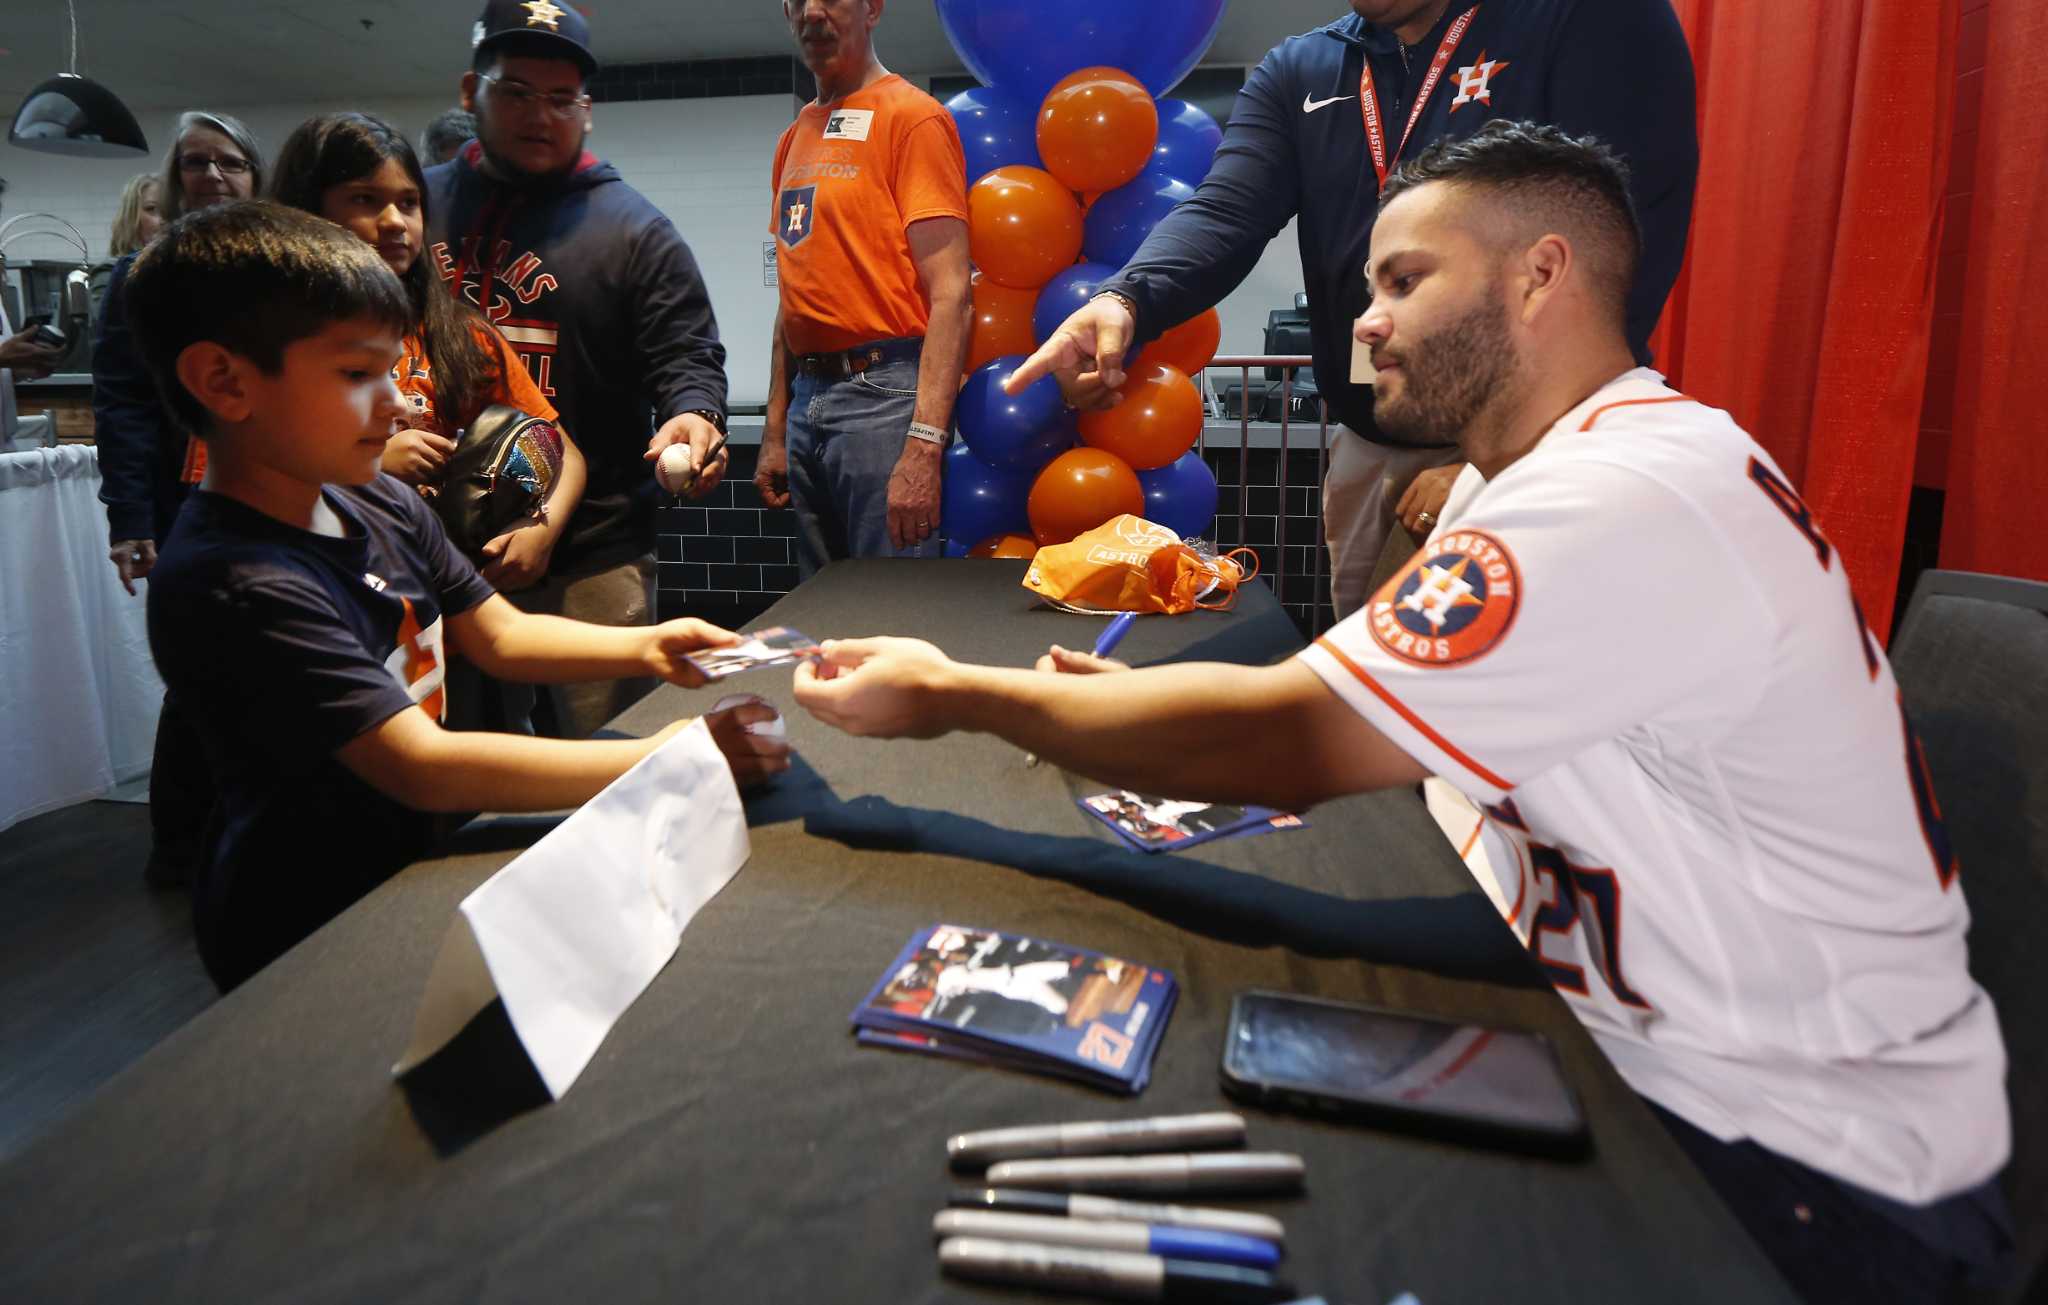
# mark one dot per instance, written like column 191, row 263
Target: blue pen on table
column 1105, row 644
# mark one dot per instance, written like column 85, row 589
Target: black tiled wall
column 727, row 558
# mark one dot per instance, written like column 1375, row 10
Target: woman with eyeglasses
column 147, row 466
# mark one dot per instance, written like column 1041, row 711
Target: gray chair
column 1972, row 662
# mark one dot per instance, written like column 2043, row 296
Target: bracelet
column 929, row 434
column 1130, row 304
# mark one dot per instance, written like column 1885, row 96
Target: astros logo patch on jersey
column 1475, row 81
column 797, row 208
column 1451, row 603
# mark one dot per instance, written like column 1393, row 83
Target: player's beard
column 1449, row 376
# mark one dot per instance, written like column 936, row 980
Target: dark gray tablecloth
column 730, row 1142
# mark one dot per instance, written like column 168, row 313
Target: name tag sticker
column 1362, row 370
column 849, row 124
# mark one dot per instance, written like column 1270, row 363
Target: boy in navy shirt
column 305, row 605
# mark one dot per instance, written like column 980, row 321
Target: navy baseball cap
column 541, row 22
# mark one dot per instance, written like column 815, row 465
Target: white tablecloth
column 78, row 692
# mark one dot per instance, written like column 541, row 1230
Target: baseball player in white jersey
column 1631, row 647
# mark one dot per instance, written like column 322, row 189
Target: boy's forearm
column 535, row 649
column 512, row 772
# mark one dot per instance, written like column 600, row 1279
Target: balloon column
column 1070, row 157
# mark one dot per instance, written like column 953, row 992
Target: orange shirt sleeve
column 515, row 384
column 931, row 171
column 775, row 179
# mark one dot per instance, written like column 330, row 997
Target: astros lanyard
column 1369, row 106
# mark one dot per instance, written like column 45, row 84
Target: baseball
column 771, row 728
column 672, row 470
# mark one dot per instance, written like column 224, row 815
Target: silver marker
column 1251, row 1171
column 1123, row 1275
column 1098, row 1137
column 1108, row 1207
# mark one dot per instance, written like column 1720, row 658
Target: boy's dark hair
column 253, row 277
column 1575, row 185
column 447, row 133
column 337, row 148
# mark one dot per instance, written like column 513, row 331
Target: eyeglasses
column 521, row 96
column 229, row 165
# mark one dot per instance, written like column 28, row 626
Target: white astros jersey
column 1635, row 651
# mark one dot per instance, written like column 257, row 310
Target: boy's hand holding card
column 776, row 646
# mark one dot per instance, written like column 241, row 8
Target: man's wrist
column 926, row 433
column 1130, row 305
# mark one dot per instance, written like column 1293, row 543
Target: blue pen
column 1102, row 1235
column 1113, row 633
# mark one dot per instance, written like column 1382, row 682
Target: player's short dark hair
column 253, row 277
column 1574, row 185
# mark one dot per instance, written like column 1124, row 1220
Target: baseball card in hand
column 776, row 646
column 1153, row 824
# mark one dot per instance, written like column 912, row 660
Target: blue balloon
column 1018, row 432
column 1122, row 218
column 995, row 130
column 1024, row 48
column 977, row 500
column 1181, row 495
column 1063, row 294
column 1188, row 138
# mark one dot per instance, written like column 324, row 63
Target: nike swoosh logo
column 1309, row 104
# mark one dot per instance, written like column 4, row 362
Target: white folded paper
column 575, row 929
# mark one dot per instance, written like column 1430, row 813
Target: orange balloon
column 1079, row 490
column 1023, row 546
column 1190, row 345
column 1097, row 128
column 1158, row 420
column 1002, row 322
column 1022, row 226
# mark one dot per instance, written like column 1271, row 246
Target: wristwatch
column 712, row 415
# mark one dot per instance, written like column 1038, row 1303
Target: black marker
column 1123, row 1275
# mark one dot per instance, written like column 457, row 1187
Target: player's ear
column 1543, row 269
column 217, row 377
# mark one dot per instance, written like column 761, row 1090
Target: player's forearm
column 461, row 771
column 555, row 650
column 944, row 353
column 1197, row 731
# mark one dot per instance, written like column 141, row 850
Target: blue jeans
column 845, row 436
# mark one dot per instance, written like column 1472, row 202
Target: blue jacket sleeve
column 1623, row 72
column 1207, row 246
column 673, row 326
column 128, row 418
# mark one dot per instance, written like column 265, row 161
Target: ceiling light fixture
column 70, row 114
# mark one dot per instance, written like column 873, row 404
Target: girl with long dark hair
column 359, row 172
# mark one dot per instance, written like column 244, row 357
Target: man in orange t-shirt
column 870, row 221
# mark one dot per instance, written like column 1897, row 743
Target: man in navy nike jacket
column 1299, row 145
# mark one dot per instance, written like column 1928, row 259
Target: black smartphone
column 41, row 332
column 1466, row 1082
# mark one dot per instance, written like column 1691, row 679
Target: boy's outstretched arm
column 411, row 759
column 509, row 644
column 1274, row 735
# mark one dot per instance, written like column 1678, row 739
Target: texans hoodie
column 602, row 299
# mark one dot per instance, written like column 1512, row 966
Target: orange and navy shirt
column 515, row 387
column 849, row 180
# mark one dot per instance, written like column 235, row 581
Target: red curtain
column 1808, row 291
column 1998, row 457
